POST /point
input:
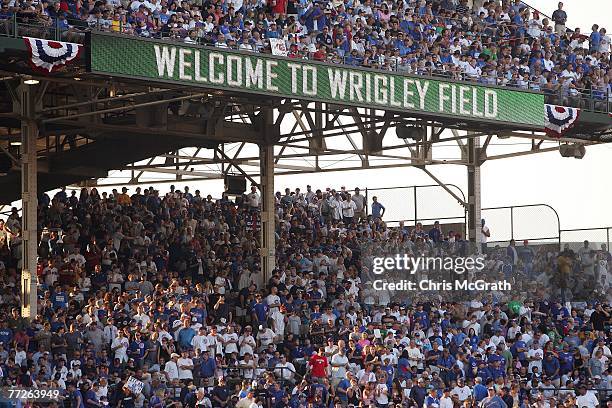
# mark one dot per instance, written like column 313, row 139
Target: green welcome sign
column 263, row 74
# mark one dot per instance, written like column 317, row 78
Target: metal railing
column 519, row 222
column 595, row 99
column 412, row 204
column 599, row 235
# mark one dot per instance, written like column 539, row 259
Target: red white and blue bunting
column 558, row 119
column 48, row 56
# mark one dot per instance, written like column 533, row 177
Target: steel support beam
column 474, row 197
column 29, row 197
column 268, row 238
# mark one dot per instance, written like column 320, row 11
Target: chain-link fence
column 425, row 204
column 596, row 237
column 428, row 203
column 534, row 222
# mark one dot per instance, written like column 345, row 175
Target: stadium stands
column 491, row 42
column 161, row 290
column 150, row 299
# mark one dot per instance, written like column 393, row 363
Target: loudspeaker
column 579, row 151
column 572, row 150
column 410, row 132
column 372, row 143
column 235, row 185
column 566, row 150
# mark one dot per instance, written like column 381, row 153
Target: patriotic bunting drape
column 48, row 56
column 558, row 119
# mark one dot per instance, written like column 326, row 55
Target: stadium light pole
column 29, row 196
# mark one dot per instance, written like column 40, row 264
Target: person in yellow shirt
column 123, row 198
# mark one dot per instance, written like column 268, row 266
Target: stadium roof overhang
column 101, row 115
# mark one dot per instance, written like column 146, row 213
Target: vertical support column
column 266, row 163
column 474, row 206
column 29, row 197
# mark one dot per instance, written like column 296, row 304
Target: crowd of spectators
column 505, row 42
column 167, row 289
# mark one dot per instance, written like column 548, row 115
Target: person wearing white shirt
column 50, row 273
column 605, row 350
column 534, row 356
column 265, row 337
column 336, row 205
column 534, row 28
column 200, row 340
column 247, row 366
column 587, row 399
column 171, row 368
column 120, row 345
column 415, row 356
column 278, row 320
column 185, row 366
column 110, row 332
column 513, row 330
column 152, row 5
column 273, row 300
column 461, row 390
column 485, row 233
column 446, row 401
column 20, row 356
column 339, row 362
column 348, row 210
column 382, row 393
column 548, row 63
column 568, row 72
column 365, row 375
column 76, row 256
column 604, row 44
column 285, row 370
column 230, row 341
column 212, row 340
column 543, row 340
column 142, row 317
column 246, row 342
column 253, row 198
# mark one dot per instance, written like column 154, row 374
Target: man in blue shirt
column 199, row 312
column 208, row 367
column 378, row 210
column 422, row 317
column 498, row 370
column 185, row 335
column 6, row 334
column 137, row 349
column 435, row 234
column 432, row 400
column 566, row 360
column 59, row 300
column 551, row 367
column 75, row 396
column 480, row 391
column 492, row 400
column 445, row 363
column 518, row 349
column 342, row 386
column 483, row 371
column 260, row 311
column 595, row 39
column 91, row 399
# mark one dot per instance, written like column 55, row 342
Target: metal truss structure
column 60, row 131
